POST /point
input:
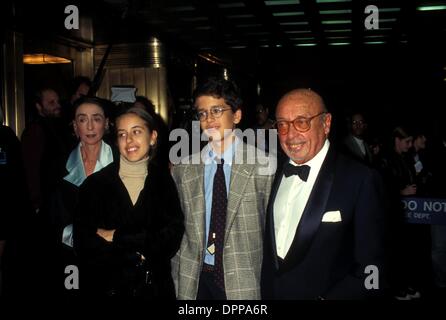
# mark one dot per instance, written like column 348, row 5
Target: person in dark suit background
column 324, row 224
column 129, row 222
column 16, row 216
column 354, row 143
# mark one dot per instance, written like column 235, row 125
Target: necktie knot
column 302, row 171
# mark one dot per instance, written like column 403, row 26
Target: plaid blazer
column 249, row 190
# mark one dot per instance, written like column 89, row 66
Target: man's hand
column 409, row 190
column 107, row 235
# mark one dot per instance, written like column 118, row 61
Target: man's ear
column 237, row 116
column 39, row 108
column 327, row 123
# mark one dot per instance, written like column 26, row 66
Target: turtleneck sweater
column 133, row 175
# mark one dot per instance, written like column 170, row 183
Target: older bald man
column 323, row 237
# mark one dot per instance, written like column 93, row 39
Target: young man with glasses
column 224, row 199
column 323, row 231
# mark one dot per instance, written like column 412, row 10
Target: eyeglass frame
column 308, row 120
column 210, row 112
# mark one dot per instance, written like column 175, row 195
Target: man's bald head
column 303, row 106
column 307, row 96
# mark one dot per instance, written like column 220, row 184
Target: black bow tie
column 301, row 171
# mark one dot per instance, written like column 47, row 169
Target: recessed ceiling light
column 431, row 8
column 298, row 31
column 336, row 21
column 389, row 10
column 338, row 30
column 338, row 43
column 302, row 38
column 387, row 20
column 287, row 14
column 305, row 44
column 281, row 2
column 374, row 42
column 297, row 23
column 335, row 11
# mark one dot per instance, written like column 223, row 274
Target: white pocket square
column 332, row 216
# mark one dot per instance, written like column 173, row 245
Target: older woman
column 129, row 221
column 91, row 155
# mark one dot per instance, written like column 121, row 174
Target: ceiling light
column 281, row 2
column 298, row 31
column 336, row 21
column 338, row 43
column 431, row 8
column 42, row 58
column 335, row 11
column 287, row 14
column 297, row 23
column 389, row 10
column 387, row 20
column 338, row 30
column 305, row 44
column 303, row 38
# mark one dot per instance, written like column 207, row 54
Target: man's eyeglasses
column 301, row 124
column 215, row 112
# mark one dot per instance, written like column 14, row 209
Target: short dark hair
column 77, row 81
column 220, row 88
column 101, row 103
column 401, row 132
column 38, row 94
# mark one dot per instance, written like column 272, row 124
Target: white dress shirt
column 291, row 199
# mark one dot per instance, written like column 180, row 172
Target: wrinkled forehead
column 89, row 108
column 300, row 103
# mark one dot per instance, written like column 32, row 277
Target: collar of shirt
column 75, row 165
column 315, row 163
column 210, row 155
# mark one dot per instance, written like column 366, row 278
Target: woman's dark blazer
column 152, row 227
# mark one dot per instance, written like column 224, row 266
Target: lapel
column 312, row 214
column 240, row 175
column 269, row 228
column 195, row 177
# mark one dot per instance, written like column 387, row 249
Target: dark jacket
column 46, row 144
column 325, row 259
column 152, row 227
